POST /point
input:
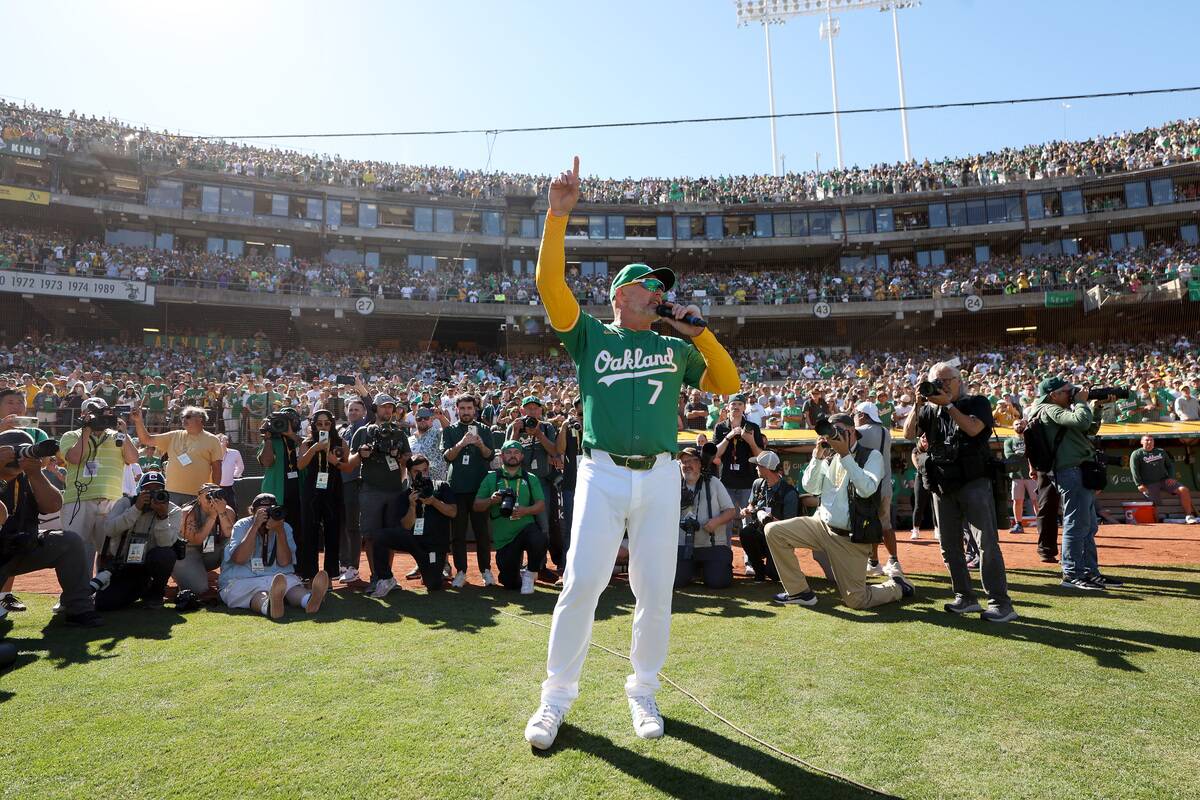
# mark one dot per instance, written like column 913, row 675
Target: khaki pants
column 847, row 559
column 86, row 518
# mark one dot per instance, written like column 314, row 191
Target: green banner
column 220, row 343
column 1194, row 290
column 1060, row 299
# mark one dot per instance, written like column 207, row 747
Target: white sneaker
column 446, row 570
column 460, row 580
column 1192, row 520
column 916, row 534
column 892, row 569
column 647, row 720
column 526, row 581
column 749, row 571
column 413, row 573
column 348, row 575
column 57, row 608
column 874, row 569
column 488, row 578
column 542, row 728
column 384, row 586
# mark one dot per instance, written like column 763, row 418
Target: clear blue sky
column 271, row 67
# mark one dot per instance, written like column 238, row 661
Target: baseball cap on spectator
column 530, row 399
column 382, row 399
column 94, row 404
column 424, row 413
column 14, row 437
column 766, row 459
column 738, row 398
column 636, row 272
column 1050, row 386
column 870, row 410
column 689, row 451
column 512, row 444
column 906, row 398
column 151, row 477
column 263, row 499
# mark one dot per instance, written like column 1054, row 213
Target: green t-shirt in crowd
column 887, row 413
column 155, row 395
column 529, row 491
column 792, row 411
column 468, row 470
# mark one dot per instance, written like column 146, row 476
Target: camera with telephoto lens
column 930, row 388
column 824, row 427
column 388, row 437
column 276, row 513
column 529, row 423
column 1102, row 393
column 508, row 502
column 689, row 525
column 103, row 421
column 421, row 484
column 40, row 450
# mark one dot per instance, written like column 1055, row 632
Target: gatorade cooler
column 1139, row 513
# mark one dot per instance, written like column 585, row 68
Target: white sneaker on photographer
column 527, row 581
column 488, row 578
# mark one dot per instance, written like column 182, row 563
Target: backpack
column 1038, row 449
column 865, row 527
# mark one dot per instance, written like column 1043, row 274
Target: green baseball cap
column 512, row 444
column 530, row 399
column 1050, row 386
column 635, row 272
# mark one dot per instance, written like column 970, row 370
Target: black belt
column 629, row 462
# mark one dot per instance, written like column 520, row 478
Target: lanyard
column 268, row 548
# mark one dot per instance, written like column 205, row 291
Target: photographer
column 539, row 440
column 194, row 456
column 381, row 450
column 322, row 463
column 140, row 548
column 26, row 494
column 846, row 476
column 1066, row 422
column 258, row 572
column 467, row 448
column 772, row 499
column 279, row 456
column 738, row 440
column 705, row 511
column 957, row 427
column 12, row 417
column 350, row 546
column 206, row 528
column 1153, row 473
column 423, row 533
column 96, row 455
column 512, row 499
column 874, row 434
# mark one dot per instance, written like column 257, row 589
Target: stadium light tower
column 774, row 12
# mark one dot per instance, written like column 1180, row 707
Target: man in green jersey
column 630, row 378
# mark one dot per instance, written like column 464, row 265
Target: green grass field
column 427, row 696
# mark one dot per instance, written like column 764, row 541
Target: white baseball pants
column 609, row 500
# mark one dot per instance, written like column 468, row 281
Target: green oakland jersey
column 630, row 383
column 156, row 396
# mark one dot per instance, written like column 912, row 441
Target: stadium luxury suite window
column 396, row 217
column 664, row 228
column 1162, row 191
column 937, row 215
column 368, row 215
column 423, row 219
column 238, row 202
column 1189, row 234
column 443, row 220
column 689, row 227
column 860, row 221
column 164, row 194
column 616, row 227
column 1135, row 195
column 524, row 227
column 210, row 199
column 790, row 224
column 467, row 222
column 1072, row 203
column 884, row 220
column 714, row 227
column 764, row 225
column 907, row 218
column 738, row 226
column 493, row 223
column 641, row 228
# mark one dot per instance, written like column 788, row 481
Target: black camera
column 278, row 423
column 689, row 525
column 276, row 513
column 422, row 485
column 1103, row 393
column 388, row 437
column 529, row 423
column 40, row 450
column 825, row 428
column 1107, row 460
column 103, row 421
column 159, row 496
column 508, row 502
column 930, row 388
column 686, row 497
column 214, row 494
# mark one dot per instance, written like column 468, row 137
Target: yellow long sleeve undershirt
column 720, row 374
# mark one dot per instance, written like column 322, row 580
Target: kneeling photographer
column 1059, row 444
column 140, row 547
column 258, row 568
column 513, row 499
column 423, row 533
column 25, row 494
column 957, row 427
column 206, row 527
column 847, row 477
column 279, row 457
column 705, row 511
column 772, row 499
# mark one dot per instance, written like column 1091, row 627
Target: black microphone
column 665, row 310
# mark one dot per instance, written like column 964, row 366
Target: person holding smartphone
column 322, row 460
column 467, row 448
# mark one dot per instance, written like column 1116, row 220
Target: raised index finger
column 575, row 168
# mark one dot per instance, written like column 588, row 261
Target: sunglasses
column 652, row 284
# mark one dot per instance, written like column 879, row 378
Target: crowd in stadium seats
column 1169, row 143
column 63, row 251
